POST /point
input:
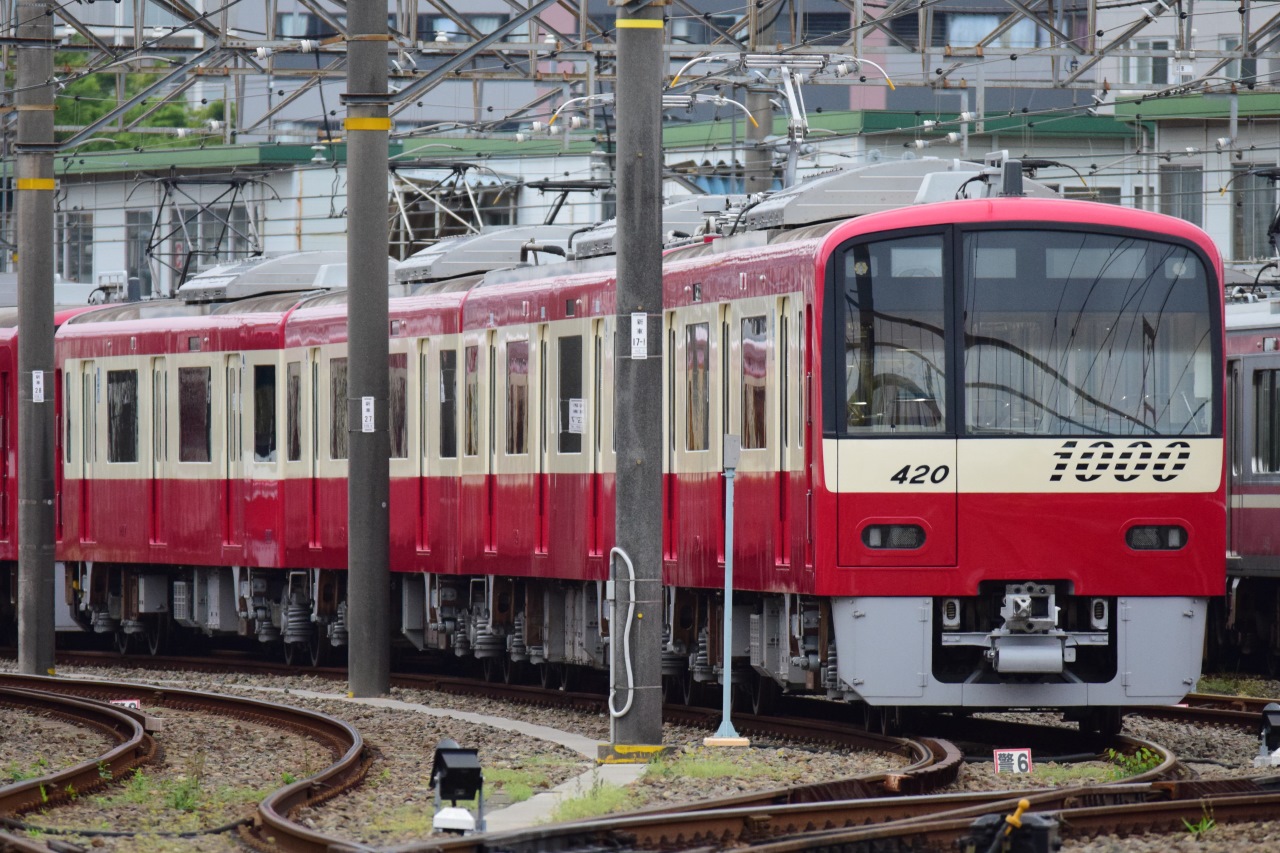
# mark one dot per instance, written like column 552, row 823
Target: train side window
column 337, row 408
column 448, row 403
column 894, row 338
column 66, row 417
column 1266, row 427
column 264, row 413
column 517, row 397
column 122, row 416
column 697, row 355
column 397, row 416
column 572, row 406
column 293, row 409
column 755, row 363
column 471, row 405
column 195, row 401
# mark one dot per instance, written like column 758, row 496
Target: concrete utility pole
column 36, row 392
column 369, row 450
column 757, row 158
column 636, row 698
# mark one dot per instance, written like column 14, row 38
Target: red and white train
column 982, row 454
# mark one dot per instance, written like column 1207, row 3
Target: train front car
column 1023, row 455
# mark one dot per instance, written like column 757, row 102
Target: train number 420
column 918, row 474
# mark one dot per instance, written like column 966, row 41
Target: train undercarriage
column 1011, row 637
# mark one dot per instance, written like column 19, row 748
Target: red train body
column 982, row 460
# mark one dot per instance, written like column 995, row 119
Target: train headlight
column 1099, row 614
column 1156, row 537
column 893, row 536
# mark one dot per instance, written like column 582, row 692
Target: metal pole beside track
column 367, row 128
column 636, row 732
column 36, row 391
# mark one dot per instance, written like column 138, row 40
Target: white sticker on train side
column 577, row 415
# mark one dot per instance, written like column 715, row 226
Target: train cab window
column 697, row 381
column 397, row 415
column 517, row 397
column 755, row 363
column 337, row 408
column 1266, row 421
column 471, row 405
column 1114, row 338
column 293, row 409
column 573, row 409
column 264, row 413
column 195, row 401
column 122, row 416
column 894, row 337
column 448, row 403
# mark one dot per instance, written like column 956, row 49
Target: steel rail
column 274, row 827
column 133, row 747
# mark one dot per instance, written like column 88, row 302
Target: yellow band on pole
column 640, row 23
column 366, row 124
column 35, row 184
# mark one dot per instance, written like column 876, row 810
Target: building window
column 264, row 413
column 968, row 29
column 337, row 408
column 448, row 404
column 826, row 27
column 1244, row 69
column 1253, row 202
column 1106, row 195
column 755, row 363
column 293, row 408
column 518, row 397
column 122, row 416
column 195, row 396
column 1182, row 192
column 397, row 418
column 431, row 25
column 137, row 240
column 697, row 374
column 1152, row 70
column 74, row 254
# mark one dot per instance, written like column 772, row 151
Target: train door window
column 894, row 339
column 597, row 391
column 1266, row 427
column 122, row 416
column 195, row 400
column 784, row 377
column 803, row 368
column 471, row 405
column 448, row 403
column 697, row 357
column 160, row 411
column 67, row 392
column 234, row 406
column 264, row 413
column 293, row 410
column 337, row 408
column 89, row 396
column 572, row 408
column 517, row 397
column 397, row 414
column 755, row 363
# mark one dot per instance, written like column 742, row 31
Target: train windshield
column 1083, row 333
column 1058, row 332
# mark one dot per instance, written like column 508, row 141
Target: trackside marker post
column 1013, row 761
column 727, row 735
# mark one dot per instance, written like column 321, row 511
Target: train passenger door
column 233, row 487
column 1233, row 434
column 313, row 450
column 491, row 454
column 598, row 350
column 159, row 447
column 698, row 423
column 6, row 471
column 540, row 448
column 895, row 482
column 785, row 409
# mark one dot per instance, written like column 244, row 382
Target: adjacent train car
column 982, row 452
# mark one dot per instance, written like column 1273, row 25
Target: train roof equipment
column 296, row 271
column 490, row 249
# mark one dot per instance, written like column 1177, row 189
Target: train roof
column 1252, row 308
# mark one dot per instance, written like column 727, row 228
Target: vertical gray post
column 35, row 185
column 368, row 474
column 757, row 159
column 638, row 379
column 727, row 735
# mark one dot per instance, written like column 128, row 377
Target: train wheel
column 123, row 641
column 1105, row 721
column 492, row 667
column 318, row 649
column 549, row 676
column 291, row 652
column 568, row 677
column 157, row 634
